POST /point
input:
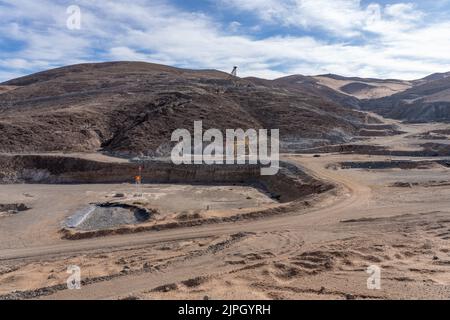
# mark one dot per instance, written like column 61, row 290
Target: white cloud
column 394, row 41
column 344, row 18
column 125, row 53
column 234, row 26
column 403, row 11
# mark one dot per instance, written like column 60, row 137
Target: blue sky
column 265, row 38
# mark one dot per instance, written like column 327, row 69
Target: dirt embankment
column 428, row 150
column 381, row 165
column 292, row 187
column 290, row 184
column 348, row 148
column 379, row 130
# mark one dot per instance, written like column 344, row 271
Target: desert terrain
column 364, row 182
column 227, row 158
column 385, row 210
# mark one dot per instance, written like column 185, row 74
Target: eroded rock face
column 290, row 184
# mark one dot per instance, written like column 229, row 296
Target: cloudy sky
column 265, row 38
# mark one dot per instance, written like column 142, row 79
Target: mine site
column 354, row 189
column 224, row 150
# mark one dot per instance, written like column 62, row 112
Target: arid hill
column 422, row 100
column 132, row 108
column 428, row 100
column 363, row 88
column 310, row 86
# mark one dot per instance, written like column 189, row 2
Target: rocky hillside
column 363, row 88
column 132, row 108
column 311, row 86
column 422, row 100
column 428, row 100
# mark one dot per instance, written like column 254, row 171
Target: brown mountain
column 363, row 88
column 423, row 100
column 427, row 100
column 132, row 108
column 310, row 86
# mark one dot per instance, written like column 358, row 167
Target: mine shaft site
column 225, row 232
column 189, row 155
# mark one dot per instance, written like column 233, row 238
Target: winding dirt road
column 355, row 195
column 352, row 196
column 284, row 236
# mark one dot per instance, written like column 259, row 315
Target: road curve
column 354, row 195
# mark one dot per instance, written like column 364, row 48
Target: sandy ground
column 376, row 90
column 51, row 205
column 4, row 89
column 410, row 140
column 319, row 253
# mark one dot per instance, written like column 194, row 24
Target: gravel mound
column 105, row 216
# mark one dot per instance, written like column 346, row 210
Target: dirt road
column 284, row 238
column 321, row 252
column 356, row 194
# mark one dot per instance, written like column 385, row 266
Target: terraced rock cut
column 291, row 182
column 174, row 196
